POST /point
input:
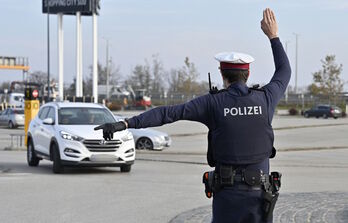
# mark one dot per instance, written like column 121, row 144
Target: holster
column 270, row 201
column 270, row 194
column 209, row 181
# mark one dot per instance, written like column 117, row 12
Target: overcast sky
column 175, row 29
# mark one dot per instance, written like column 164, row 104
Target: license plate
column 103, row 158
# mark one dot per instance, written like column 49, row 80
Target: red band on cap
column 226, row 66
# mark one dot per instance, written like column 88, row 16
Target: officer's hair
column 234, row 75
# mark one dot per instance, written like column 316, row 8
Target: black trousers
column 238, row 206
column 233, row 205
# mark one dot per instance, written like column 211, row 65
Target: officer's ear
column 224, row 79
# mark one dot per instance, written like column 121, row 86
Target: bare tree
column 184, row 80
column 173, row 80
column 327, row 81
column 71, row 90
column 5, row 85
column 114, row 78
column 141, row 77
column 157, row 74
column 39, row 77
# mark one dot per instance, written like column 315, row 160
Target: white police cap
column 234, row 58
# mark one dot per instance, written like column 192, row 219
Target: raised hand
column 269, row 24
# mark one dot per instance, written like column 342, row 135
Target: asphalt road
column 166, row 186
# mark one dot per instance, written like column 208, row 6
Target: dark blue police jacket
column 239, row 118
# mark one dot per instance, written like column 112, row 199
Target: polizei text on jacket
column 248, row 110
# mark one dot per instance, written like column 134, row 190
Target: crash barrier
column 79, row 99
column 87, row 99
column 5, row 105
column 18, row 137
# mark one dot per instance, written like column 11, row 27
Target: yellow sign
column 15, row 67
column 30, row 111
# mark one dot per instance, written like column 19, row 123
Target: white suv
column 63, row 132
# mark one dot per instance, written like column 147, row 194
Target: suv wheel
column 57, row 163
column 126, row 168
column 306, row 115
column 32, row 159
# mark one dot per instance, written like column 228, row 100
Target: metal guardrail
column 19, row 137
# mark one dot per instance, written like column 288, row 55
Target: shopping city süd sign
column 86, row 7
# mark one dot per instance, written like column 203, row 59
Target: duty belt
column 227, row 176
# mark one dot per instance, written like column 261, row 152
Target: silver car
column 148, row 138
column 12, row 118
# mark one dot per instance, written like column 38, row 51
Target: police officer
column 240, row 132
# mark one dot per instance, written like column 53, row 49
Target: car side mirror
column 48, row 121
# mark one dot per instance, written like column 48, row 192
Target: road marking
column 171, row 161
column 275, row 129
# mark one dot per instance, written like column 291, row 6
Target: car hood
column 88, row 132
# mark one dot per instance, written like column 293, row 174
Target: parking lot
column 165, row 186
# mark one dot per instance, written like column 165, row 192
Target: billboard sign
column 86, row 7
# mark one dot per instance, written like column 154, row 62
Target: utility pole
column 296, row 62
column 107, row 69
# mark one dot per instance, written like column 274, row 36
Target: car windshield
column 84, row 116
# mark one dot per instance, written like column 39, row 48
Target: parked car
column 324, row 111
column 16, row 100
column 148, row 138
column 63, row 132
column 12, row 118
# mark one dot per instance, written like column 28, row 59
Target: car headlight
column 158, row 139
column 127, row 137
column 68, row 136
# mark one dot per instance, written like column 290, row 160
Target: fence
column 304, row 101
column 298, row 101
column 5, row 105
